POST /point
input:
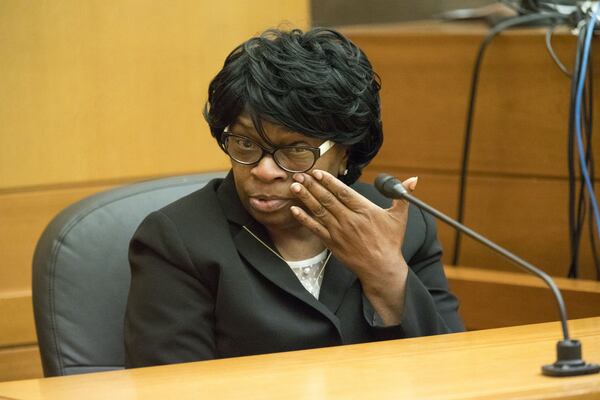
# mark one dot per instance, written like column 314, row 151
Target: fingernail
column 295, row 210
column 318, row 175
column 413, row 183
column 296, row 187
column 298, row 178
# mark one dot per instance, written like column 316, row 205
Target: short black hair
column 317, row 83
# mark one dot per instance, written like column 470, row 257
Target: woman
column 283, row 254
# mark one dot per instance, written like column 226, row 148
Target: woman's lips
column 267, row 204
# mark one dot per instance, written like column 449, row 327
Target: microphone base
column 569, row 362
column 572, row 370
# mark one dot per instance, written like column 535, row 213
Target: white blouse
column 310, row 271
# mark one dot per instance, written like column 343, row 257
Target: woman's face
column 264, row 188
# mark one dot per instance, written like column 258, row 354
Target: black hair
column 317, row 83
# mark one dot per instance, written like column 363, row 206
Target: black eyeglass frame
column 318, row 152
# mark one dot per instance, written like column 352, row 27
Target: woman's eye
column 245, row 143
column 298, row 150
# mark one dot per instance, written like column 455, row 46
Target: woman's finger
column 399, row 206
column 342, row 192
column 411, row 183
column 310, row 223
column 317, row 209
column 328, row 203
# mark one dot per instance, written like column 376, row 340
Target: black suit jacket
column 204, row 287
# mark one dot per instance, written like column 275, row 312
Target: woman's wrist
column 386, row 292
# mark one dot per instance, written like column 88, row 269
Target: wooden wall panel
column 525, row 215
column 517, row 188
column 520, row 124
column 491, row 299
column 20, row 363
column 102, row 89
column 17, row 326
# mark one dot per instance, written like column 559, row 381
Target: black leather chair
column 81, row 274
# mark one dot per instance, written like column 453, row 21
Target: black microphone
column 568, row 360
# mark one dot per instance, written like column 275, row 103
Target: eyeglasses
column 246, row 151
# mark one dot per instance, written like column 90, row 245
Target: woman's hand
column 364, row 236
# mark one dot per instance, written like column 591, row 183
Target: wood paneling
column 103, row 89
column 520, row 124
column 20, row 363
column 517, row 187
column 492, row 299
column 525, row 215
column 17, row 326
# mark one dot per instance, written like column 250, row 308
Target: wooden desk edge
column 531, row 344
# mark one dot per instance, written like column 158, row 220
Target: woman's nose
column 268, row 170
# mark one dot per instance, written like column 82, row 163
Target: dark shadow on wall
column 353, row 12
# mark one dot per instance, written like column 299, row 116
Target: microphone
column 568, row 361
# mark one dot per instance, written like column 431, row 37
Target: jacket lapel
column 336, row 282
column 276, row 270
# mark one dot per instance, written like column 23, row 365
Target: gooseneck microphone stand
column 569, row 361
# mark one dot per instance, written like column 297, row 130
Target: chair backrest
column 81, row 274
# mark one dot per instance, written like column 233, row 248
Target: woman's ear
column 343, row 170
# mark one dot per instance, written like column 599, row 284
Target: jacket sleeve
column 429, row 306
column 170, row 309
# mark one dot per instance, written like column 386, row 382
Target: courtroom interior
column 492, row 104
